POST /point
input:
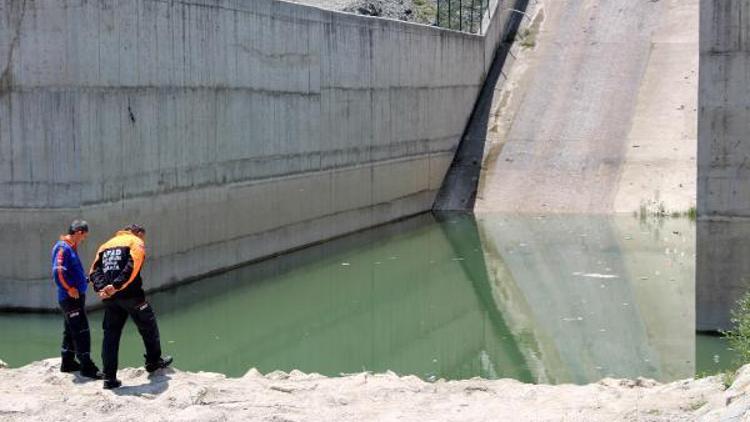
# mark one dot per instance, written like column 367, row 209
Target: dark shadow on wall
column 459, row 189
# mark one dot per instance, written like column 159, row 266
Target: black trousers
column 116, row 312
column 76, row 335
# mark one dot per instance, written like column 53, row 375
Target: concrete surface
column 232, row 130
column 723, row 274
column 724, row 118
column 722, row 271
column 597, row 114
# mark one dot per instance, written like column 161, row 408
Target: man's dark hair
column 78, row 226
column 135, row 228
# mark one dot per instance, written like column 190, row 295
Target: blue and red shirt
column 67, row 270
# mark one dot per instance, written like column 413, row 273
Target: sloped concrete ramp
column 598, row 113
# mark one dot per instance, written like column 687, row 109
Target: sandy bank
column 40, row 392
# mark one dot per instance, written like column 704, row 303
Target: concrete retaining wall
column 723, row 161
column 233, row 130
column 724, row 109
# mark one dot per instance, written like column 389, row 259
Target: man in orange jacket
column 116, row 276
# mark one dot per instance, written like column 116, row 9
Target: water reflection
column 595, row 296
column 396, row 298
column 555, row 299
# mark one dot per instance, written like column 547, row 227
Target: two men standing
column 116, row 277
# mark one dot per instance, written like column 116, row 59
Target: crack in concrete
column 6, row 78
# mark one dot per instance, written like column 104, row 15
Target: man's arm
column 60, row 269
column 132, row 267
column 96, row 275
column 124, row 275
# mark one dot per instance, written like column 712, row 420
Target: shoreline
column 39, row 392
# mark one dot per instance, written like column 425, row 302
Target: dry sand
column 40, row 392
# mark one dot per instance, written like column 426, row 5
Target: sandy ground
column 40, row 392
column 598, row 111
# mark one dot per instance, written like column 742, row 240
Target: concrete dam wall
column 233, row 130
column 724, row 118
column 723, row 153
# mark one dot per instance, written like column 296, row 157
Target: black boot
column 160, row 363
column 90, row 370
column 111, row 383
column 69, row 363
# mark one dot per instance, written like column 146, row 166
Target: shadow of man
column 80, row 379
column 158, row 382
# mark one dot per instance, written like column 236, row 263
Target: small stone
column 296, row 373
column 253, row 373
column 277, row 375
column 732, row 398
column 3, row 364
column 283, row 389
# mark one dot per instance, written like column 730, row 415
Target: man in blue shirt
column 67, row 272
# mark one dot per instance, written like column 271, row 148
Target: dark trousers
column 76, row 335
column 116, row 312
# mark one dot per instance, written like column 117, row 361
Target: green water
column 566, row 299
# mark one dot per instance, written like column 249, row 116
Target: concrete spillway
column 598, row 112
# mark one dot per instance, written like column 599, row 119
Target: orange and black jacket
column 118, row 262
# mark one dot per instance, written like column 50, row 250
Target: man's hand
column 107, row 291
column 73, row 292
